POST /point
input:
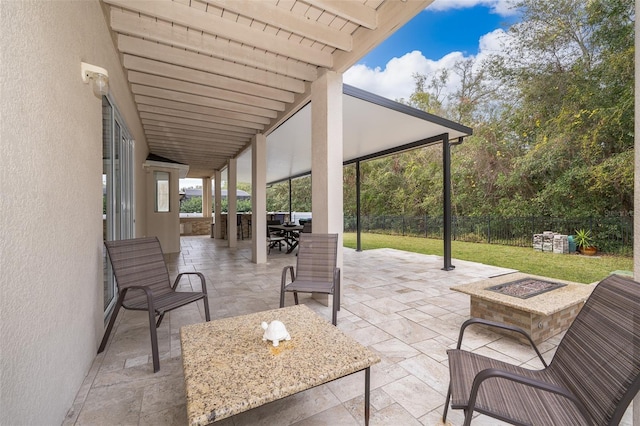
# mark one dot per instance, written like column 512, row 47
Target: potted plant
column 585, row 243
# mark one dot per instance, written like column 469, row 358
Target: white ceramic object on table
column 275, row 331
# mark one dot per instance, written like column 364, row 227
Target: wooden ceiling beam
column 163, row 53
column 197, row 123
column 191, row 17
column 223, row 49
column 271, row 14
column 177, row 72
column 200, row 117
column 166, row 126
column 136, row 77
column 350, row 10
column 247, row 120
column 157, row 92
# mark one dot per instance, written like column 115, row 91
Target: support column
column 358, row 223
column 206, row 197
column 327, row 157
column 232, row 209
column 636, row 191
column 446, row 188
column 259, row 198
column 217, row 208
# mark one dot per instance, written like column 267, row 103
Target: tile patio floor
column 397, row 303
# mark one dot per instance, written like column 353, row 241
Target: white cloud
column 396, row 81
column 499, row 7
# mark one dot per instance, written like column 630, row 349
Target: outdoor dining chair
column 274, row 238
column 143, row 285
column 316, row 270
column 594, row 374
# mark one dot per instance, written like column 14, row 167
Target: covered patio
column 397, row 303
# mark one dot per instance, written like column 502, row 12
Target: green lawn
column 571, row 267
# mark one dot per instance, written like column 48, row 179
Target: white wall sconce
column 98, row 76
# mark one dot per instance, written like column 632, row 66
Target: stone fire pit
column 548, row 307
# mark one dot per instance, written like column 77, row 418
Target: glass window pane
column 162, row 191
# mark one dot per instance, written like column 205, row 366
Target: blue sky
column 437, row 33
column 445, row 32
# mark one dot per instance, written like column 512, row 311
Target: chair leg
column 282, row 298
column 205, row 299
column 334, row 316
column 160, row 318
column 154, row 341
column 446, row 405
column 112, row 321
column 295, row 297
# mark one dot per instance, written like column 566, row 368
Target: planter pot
column 588, row 251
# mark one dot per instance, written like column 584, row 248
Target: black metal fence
column 613, row 235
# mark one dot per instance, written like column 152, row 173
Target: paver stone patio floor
column 396, row 303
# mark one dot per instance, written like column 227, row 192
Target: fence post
column 426, row 226
column 489, row 229
column 403, row 225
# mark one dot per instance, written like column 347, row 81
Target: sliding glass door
column 117, row 189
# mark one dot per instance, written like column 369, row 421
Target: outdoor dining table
column 291, row 234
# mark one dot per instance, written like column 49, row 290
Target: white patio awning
column 373, row 126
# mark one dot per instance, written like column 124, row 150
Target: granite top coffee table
column 229, row 369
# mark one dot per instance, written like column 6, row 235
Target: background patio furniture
column 592, row 378
column 316, row 270
column 274, row 237
column 143, row 285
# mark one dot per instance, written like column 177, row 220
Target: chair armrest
column 203, row 282
column 147, row 291
column 527, row 381
column 502, row 326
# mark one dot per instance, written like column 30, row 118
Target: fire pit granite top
column 525, row 288
column 543, row 304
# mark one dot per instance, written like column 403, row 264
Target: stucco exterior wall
column 51, row 302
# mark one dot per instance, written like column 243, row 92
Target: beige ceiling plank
column 349, row 10
column 183, row 152
column 196, row 130
column 279, row 17
column 192, row 133
column 200, row 100
column 187, row 148
column 222, row 49
column 393, row 15
column 245, row 119
column 198, row 89
column 190, row 17
column 195, row 123
column 181, row 136
column 162, row 53
column 151, row 66
column 175, row 142
column 195, row 116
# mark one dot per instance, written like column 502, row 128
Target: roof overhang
column 373, row 127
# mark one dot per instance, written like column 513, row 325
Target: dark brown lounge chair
column 594, row 374
column 315, row 271
column 143, row 285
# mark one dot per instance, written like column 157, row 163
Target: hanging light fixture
column 98, row 77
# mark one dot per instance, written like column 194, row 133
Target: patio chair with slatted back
column 143, row 285
column 594, row 374
column 316, row 270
